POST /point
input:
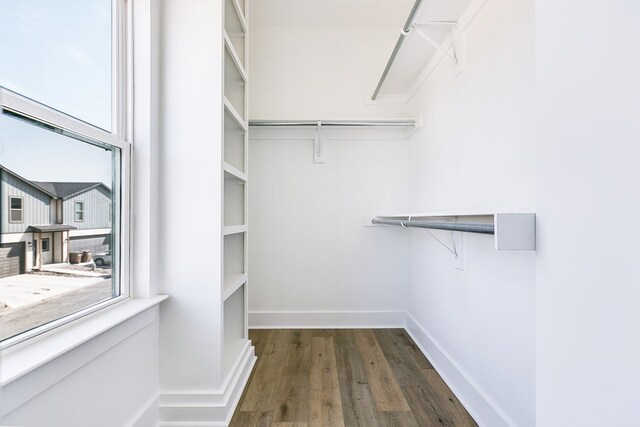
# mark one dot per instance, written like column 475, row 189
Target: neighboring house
column 41, row 222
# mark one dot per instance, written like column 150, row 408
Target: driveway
column 30, row 300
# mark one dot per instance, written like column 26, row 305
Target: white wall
column 111, row 380
column 309, row 250
column 317, row 72
column 189, row 256
column 476, row 152
column 588, row 298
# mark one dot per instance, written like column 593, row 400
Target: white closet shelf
column 234, row 113
column 241, row 18
column 232, row 282
column 512, row 231
column 432, row 33
column 356, row 123
column 234, row 55
column 234, row 229
column 233, row 173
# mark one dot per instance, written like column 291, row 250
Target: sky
column 57, row 53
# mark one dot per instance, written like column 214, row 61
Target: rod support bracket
column 456, row 55
column 318, row 145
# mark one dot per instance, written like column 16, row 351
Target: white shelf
column 234, row 254
column 235, row 57
column 234, row 328
column 234, row 229
column 235, row 343
column 513, row 231
column 234, row 113
column 418, row 58
column 237, row 25
column 231, row 284
column 231, row 173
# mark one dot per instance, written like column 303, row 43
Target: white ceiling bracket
column 456, row 55
column 318, row 145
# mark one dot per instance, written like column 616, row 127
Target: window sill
column 24, row 358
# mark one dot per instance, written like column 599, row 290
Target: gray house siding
column 36, row 204
column 96, row 209
column 93, row 244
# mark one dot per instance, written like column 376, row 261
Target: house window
column 16, row 210
column 63, row 135
column 79, row 211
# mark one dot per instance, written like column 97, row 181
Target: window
column 15, row 210
column 63, row 135
column 79, row 211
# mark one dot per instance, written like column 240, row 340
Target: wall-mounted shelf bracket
column 318, row 145
column 457, row 51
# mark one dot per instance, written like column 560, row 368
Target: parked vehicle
column 102, row 258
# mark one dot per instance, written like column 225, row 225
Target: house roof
column 59, row 190
column 65, row 190
column 27, row 181
column 50, row 228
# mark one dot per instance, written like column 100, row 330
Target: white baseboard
column 325, row 319
column 148, row 415
column 483, row 410
column 181, row 409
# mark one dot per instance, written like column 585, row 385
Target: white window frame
column 77, row 211
column 11, row 221
column 119, row 137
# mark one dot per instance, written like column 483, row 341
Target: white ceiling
column 329, row 13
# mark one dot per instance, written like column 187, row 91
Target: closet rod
column 345, row 123
column 403, row 35
column 451, row 226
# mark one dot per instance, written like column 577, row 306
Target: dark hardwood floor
column 344, row 377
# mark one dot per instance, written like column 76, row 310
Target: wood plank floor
column 344, row 377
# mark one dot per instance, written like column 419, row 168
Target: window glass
column 50, row 169
column 16, row 203
column 80, row 211
column 59, row 53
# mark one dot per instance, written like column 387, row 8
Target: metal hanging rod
column 335, row 123
column 403, row 35
column 450, row 226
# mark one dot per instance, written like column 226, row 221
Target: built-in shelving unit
column 235, row 181
column 512, row 231
column 433, row 33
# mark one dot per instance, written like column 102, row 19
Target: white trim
column 16, row 237
column 59, row 354
column 21, row 105
column 12, row 209
column 325, row 319
column 90, row 232
column 215, row 408
column 483, row 410
column 148, row 414
column 25, row 357
column 76, row 210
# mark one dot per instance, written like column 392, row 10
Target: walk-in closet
column 319, row 213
